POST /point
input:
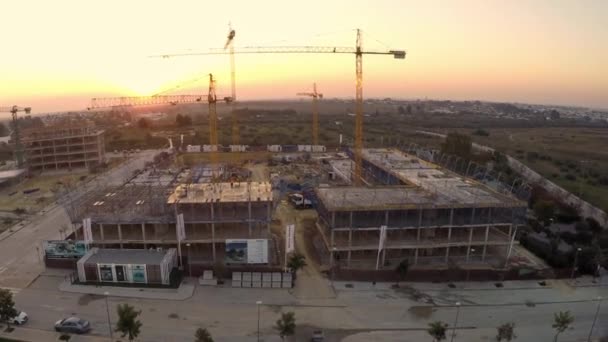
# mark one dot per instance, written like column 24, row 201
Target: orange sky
column 57, row 54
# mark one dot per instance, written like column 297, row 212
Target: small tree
column 296, row 262
column 561, row 322
column 143, row 123
column 286, row 325
column 202, row 335
column 437, row 330
column 128, row 324
column 7, row 307
column 544, row 210
column 402, row 269
column 506, row 332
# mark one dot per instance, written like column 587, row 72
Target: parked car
column 20, row 319
column 317, row 336
column 73, row 325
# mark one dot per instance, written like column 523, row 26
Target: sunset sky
column 58, row 54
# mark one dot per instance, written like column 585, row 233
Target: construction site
column 372, row 208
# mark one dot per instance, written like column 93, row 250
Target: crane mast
column 212, row 100
column 315, row 112
column 235, row 125
column 358, row 111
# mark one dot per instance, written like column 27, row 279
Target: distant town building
column 64, row 145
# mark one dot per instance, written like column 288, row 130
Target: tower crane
column 18, row 147
column 315, row 112
column 357, row 51
column 230, row 46
column 210, row 99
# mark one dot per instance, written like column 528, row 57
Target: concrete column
column 510, row 239
column 101, row 231
column 447, row 250
column 84, row 154
column 120, row 235
column 213, row 232
column 268, row 217
column 485, row 245
column 333, row 220
column 469, row 245
column 143, row 234
column 249, row 217
column 416, row 256
column 350, row 245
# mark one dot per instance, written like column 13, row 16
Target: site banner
column 290, row 238
column 62, row 249
column 246, row 251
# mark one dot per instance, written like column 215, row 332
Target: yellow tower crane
column 315, row 112
column 235, row 125
column 357, row 51
column 16, row 133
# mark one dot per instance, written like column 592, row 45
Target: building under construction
column 431, row 215
column 219, row 219
column 65, row 145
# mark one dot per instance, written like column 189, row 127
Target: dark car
column 73, row 325
column 317, row 336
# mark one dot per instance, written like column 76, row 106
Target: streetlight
column 574, row 267
column 189, row 260
column 455, row 321
column 258, row 303
column 597, row 312
column 108, row 312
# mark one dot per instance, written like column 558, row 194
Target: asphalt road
column 21, row 246
column 359, row 314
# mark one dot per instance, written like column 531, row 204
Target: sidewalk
column 36, row 335
column 185, row 290
column 584, row 281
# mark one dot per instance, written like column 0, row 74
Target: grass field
column 13, row 196
column 573, row 158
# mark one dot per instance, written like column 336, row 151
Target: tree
column 7, row 307
column 506, row 332
column 128, row 324
column 561, row 322
column 408, row 109
column 457, row 144
column 296, row 262
column 402, row 269
column 202, row 335
column 437, row 330
column 401, row 110
column 594, row 226
column 544, row 210
column 143, row 123
column 286, row 325
column 3, row 130
column 183, row 120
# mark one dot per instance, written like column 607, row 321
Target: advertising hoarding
column 61, row 249
column 246, row 251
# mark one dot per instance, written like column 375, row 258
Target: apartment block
column 63, row 146
column 431, row 215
